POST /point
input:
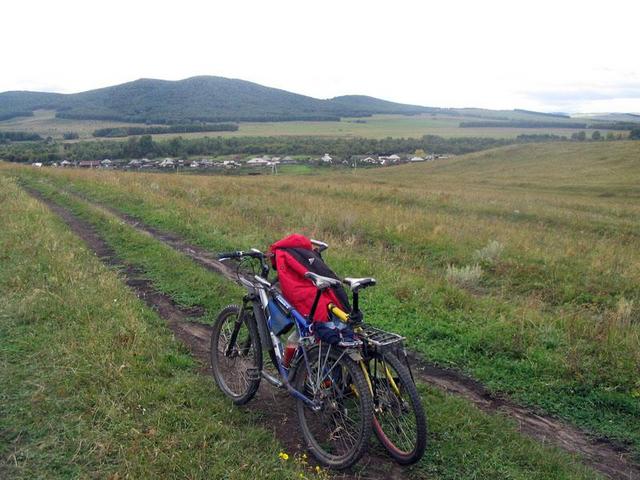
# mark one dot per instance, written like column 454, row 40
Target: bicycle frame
column 259, row 295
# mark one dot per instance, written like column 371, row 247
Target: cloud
column 585, row 94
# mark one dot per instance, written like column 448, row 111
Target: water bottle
column 292, row 345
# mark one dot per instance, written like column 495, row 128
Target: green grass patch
column 464, row 441
column 552, row 320
column 93, row 383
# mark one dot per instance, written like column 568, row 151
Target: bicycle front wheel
column 236, row 354
column 399, row 420
column 337, row 433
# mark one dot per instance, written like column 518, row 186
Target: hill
column 604, row 170
column 203, row 98
column 516, row 265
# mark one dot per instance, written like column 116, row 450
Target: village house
column 231, row 164
column 326, row 158
column 258, row 162
column 89, row 164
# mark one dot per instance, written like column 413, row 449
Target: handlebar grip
column 228, row 255
column 239, row 254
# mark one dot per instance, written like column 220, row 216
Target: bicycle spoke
column 234, row 360
column 395, row 418
column 337, row 428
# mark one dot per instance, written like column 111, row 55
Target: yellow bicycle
column 399, row 420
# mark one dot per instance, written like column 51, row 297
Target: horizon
column 329, row 98
column 570, row 57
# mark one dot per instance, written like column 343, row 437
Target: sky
column 553, row 56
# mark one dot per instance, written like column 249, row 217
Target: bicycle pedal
column 253, row 374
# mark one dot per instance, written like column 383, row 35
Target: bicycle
column 333, row 400
column 399, row 420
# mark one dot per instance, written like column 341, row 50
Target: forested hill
column 205, row 98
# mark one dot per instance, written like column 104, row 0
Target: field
column 45, row 123
column 517, row 266
column 377, row 126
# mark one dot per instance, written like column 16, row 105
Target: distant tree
column 420, row 153
column 634, row 134
column 70, row 135
column 131, row 149
column 177, row 147
column 580, row 136
column 596, row 135
column 146, row 146
column 610, row 136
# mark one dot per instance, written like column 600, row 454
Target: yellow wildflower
column 283, row 456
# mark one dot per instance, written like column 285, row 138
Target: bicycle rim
column 236, row 365
column 399, row 420
column 337, row 434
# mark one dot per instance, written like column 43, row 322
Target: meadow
column 46, row 124
column 94, row 385
column 518, row 266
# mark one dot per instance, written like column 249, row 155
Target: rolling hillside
column 202, row 98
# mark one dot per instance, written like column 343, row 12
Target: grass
column 544, row 323
column 46, row 124
column 93, row 383
column 464, row 442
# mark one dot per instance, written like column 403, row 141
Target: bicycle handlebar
column 253, row 253
column 240, row 254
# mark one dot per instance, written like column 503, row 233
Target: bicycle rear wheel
column 399, row 420
column 337, row 433
column 236, row 354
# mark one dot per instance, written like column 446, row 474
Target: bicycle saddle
column 322, row 282
column 358, row 283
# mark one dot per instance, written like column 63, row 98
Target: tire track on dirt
column 612, row 460
column 275, row 407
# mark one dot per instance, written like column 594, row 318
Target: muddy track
column 275, row 407
column 604, row 456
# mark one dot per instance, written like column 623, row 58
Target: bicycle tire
column 225, row 371
column 350, row 390
column 387, row 405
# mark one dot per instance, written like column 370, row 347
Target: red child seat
column 293, row 257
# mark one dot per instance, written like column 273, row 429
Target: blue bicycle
column 333, row 400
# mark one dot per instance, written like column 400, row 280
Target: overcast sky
column 557, row 55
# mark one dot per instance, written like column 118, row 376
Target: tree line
column 6, row 137
column 521, row 124
column 9, row 115
column 145, row 146
column 185, row 128
column 548, row 124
